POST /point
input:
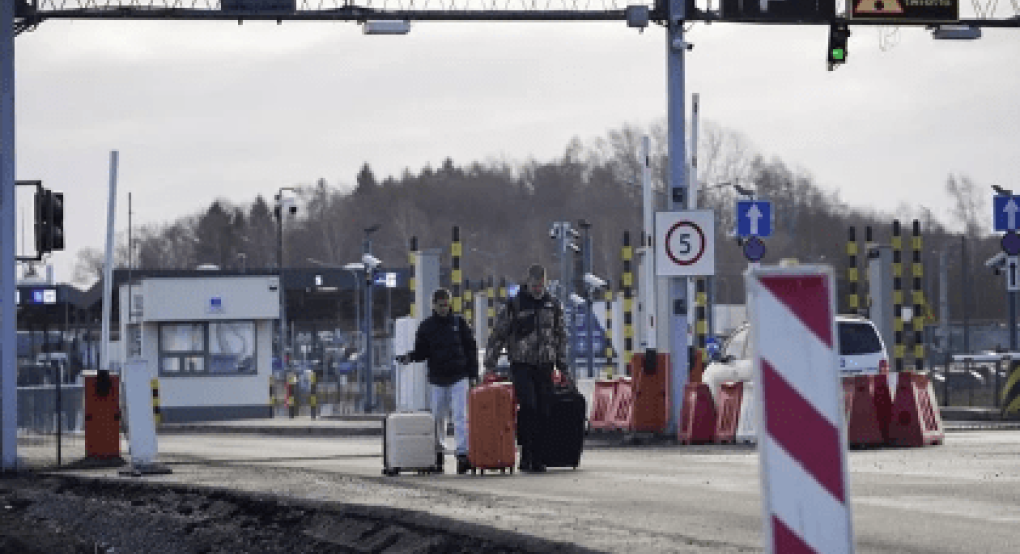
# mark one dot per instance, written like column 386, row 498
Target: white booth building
column 208, row 339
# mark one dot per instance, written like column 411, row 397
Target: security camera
column 370, row 261
column 680, row 44
column 593, row 281
column 996, row 263
column 287, row 203
column 554, row 231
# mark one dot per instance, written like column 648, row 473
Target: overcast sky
column 200, row 111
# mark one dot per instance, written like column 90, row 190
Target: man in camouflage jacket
column 532, row 328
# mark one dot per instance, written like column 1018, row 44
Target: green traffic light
column 838, row 54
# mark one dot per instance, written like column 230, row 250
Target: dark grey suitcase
column 565, row 433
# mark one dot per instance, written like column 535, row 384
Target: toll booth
column 207, row 338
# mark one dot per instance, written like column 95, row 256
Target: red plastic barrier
column 730, row 395
column 650, row 406
column 883, row 403
column 602, row 403
column 863, row 427
column 697, row 422
column 619, row 410
column 102, row 416
column 916, row 420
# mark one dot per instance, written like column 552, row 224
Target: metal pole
column 965, row 294
column 590, row 337
column 1012, row 321
column 104, row 356
column 369, row 382
column 675, row 48
column 283, row 286
column 8, row 313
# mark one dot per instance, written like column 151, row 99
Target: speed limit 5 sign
column 685, row 243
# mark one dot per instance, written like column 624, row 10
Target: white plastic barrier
column 141, row 423
column 747, row 433
column 412, row 386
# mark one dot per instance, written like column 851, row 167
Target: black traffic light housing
column 839, row 32
column 49, row 221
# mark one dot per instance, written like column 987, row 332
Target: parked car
column 861, row 351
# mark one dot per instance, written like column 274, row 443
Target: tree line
column 504, row 211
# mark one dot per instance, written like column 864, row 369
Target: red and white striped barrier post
column 801, row 436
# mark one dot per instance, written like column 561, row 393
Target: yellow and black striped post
column 157, row 415
column 897, row 270
column 701, row 316
column 469, row 303
column 1011, row 392
column 869, row 243
column 456, row 251
column 502, row 289
column 272, row 397
column 291, row 395
column 313, row 400
column 917, row 295
column 609, row 330
column 852, row 298
column 490, row 305
column 628, row 300
column 411, row 262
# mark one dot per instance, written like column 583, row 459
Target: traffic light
column 56, row 221
column 839, row 32
column 49, row 221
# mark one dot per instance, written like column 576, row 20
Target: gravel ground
column 72, row 514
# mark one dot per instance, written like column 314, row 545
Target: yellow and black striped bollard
column 313, row 400
column 917, row 295
column 411, row 259
column 291, row 395
column 853, row 300
column 609, row 331
column 899, row 349
column 456, row 251
column 628, row 301
column 157, row 414
column 272, row 398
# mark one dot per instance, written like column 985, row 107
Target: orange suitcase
column 492, row 427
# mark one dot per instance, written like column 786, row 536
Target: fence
column 42, row 443
column 342, row 396
column 969, row 383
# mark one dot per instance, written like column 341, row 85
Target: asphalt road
column 963, row 496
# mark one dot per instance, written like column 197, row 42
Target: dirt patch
column 62, row 514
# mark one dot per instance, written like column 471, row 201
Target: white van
column 861, row 351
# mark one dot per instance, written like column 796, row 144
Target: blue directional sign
column 1006, row 210
column 754, row 218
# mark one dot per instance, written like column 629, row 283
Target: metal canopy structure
column 30, row 13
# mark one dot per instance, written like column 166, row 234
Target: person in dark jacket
column 532, row 328
column 445, row 340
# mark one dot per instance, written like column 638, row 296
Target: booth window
column 206, row 348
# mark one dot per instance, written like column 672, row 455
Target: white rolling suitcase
column 409, row 443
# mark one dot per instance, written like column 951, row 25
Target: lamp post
column 355, row 268
column 283, row 205
column 371, row 263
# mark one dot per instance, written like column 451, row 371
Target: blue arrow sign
column 754, row 218
column 1005, row 210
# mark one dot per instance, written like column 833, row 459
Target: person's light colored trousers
column 452, row 398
